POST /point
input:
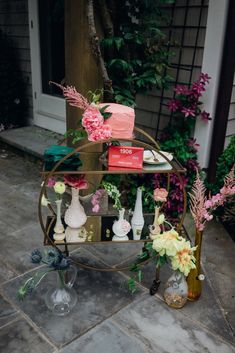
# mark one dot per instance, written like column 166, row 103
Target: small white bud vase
column 121, row 227
column 155, row 228
column 137, row 221
column 75, row 218
column 59, row 228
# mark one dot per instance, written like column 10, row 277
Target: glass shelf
column 101, row 228
column 93, row 164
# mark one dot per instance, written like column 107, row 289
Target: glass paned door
column 51, row 26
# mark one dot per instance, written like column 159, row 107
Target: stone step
column 29, row 140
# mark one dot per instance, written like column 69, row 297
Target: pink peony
column 160, row 194
column 77, row 182
column 104, row 132
column 92, row 119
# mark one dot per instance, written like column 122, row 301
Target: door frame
column 49, row 111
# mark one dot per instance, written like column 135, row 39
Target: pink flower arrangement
column 96, row 198
column 77, row 182
column 92, row 119
column 202, row 208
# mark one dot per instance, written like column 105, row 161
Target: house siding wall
column 15, row 24
column 231, row 117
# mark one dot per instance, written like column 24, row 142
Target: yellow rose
column 59, row 187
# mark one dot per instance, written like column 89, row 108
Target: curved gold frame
column 80, row 149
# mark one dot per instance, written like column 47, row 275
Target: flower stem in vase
column 193, row 279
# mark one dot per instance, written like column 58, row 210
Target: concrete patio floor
column 107, row 318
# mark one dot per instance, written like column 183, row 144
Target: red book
column 125, row 156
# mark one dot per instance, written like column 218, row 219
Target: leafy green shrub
column 135, row 49
column 224, row 165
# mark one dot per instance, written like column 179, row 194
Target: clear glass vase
column 176, row 290
column 63, row 298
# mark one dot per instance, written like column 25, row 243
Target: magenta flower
column 187, row 112
column 198, row 88
column 179, row 89
column 173, row 105
column 205, row 116
column 205, row 78
column 192, row 143
column 51, row 182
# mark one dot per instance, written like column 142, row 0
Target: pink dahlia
column 92, row 119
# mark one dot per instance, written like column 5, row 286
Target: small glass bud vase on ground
column 176, row 290
column 62, row 298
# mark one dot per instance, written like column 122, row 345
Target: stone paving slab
column 105, row 338
column 16, row 170
column 6, row 272
column 100, row 295
column 7, row 313
column 219, row 263
column 207, row 310
column 166, row 330
column 17, row 247
column 114, row 254
column 20, row 337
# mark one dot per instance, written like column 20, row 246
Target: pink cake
column 121, row 121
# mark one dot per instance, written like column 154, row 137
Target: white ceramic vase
column 75, row 218
column 59, row 234
column 137, row 221
column 121, row 227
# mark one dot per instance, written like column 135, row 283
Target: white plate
column 155, row 158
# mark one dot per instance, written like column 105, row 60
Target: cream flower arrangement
column 166, row 245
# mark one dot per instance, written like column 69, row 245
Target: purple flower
column 187, row 112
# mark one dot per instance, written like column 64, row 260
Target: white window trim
column 49, row 111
